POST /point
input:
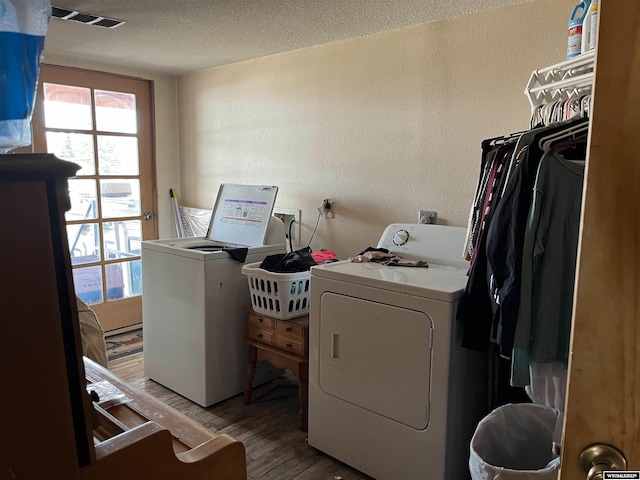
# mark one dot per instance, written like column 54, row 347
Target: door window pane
column 74, row 147
column 115, row 281
column 124, row 279
column 116, row 112
column 120, row 198
column 134, row 271
column 67, row 107
column 88, row 284
column 84, row 243
column 118, row 155
column 84, row 200
column 121, row 239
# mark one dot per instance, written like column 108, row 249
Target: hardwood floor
column 268, row 428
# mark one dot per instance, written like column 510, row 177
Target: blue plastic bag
column 23, row 27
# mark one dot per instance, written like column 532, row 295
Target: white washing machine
column 391, row 392
column 194, row 293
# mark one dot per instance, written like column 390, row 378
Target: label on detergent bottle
column 576, row 20
column 593, row 38
column 575, row 41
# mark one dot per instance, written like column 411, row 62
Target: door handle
column 335, row 346
column 600, row 457
column 148, row 216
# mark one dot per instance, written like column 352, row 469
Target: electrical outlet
column 288, row 215
column 327, row 208
column 427, row 216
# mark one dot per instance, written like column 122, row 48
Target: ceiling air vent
column 86, row 18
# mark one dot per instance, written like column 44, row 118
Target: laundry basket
column 278, row 295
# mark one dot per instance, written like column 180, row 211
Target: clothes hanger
column 557, row 112
column 572, row 151
column 547, row 111
column 568, row 108
column 536, row 116
column 496, row 141
column 571, row 133
column 560, row 110
column 585, row 105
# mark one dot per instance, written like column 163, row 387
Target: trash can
column 515, row 442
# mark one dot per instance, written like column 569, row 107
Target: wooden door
column 603, row 396
column 103, row 123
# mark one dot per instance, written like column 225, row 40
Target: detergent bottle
column 574, row 45
column 589, row 28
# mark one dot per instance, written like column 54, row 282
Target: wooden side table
column 284, row 344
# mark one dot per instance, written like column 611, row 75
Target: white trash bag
column 515, row 442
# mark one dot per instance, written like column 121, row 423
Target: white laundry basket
column 514, row 442
column 278, row 295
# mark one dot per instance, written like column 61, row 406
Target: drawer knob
column 288, row 345
column 259, row 335
column 288, row 329
column 259, row 320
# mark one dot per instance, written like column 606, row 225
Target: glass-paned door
column 102, row 122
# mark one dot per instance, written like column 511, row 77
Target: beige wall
column 384, row 125
column 166, row 130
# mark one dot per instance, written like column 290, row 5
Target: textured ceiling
column 174, row 36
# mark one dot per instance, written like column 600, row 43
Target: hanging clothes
column 505, row 236
column 502, row 219
column 475, row 309
column 543, row 326
column 478, row 201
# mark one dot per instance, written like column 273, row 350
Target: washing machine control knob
column 400, row 237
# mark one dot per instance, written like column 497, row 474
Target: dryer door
column 376, row 357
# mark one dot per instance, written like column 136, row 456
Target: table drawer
column 290, row 329
column 291, row 345
column 261, row 335
column 256, row 321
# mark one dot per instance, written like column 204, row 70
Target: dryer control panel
column 435, row 244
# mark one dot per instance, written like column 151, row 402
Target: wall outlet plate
column 427, row 216
column 328, row 212
column 287, row 215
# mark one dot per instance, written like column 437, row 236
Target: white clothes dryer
column 193, row 294
column 391, row 391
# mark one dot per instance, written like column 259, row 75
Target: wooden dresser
column 284, row 344
column 52, row 427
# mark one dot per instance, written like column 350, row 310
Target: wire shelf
column 565, row 80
